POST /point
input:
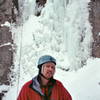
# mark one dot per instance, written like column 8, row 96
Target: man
column 44, row 86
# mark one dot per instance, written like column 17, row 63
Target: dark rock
column 95, row 22
column 16, row 4
column 1, row 95
column 39, row 3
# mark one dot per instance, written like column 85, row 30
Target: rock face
column 5, row 10
column 95, row 22
column 6, row 52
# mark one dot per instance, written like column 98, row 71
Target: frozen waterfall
column 62, row 29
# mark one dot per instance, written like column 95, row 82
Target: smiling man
column 44, row 86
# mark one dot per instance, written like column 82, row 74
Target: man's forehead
column 49, row 63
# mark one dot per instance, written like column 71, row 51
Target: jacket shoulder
column 58, row 83
column 27, row 84
column 63, row 91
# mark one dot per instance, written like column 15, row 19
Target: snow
column 5, row 44
column 63, row 31
column 99, row 33
column 7, row 24
column 4, row 88
column 84, row 83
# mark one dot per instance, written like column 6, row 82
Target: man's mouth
column 49, row 73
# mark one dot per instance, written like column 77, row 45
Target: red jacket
column 32, row 91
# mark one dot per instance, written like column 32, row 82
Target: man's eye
column 47, row 66
column 53, row 67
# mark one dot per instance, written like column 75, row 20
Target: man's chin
column 49, row 77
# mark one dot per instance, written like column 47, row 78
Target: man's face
column 48, row 69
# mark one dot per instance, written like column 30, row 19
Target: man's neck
column 44, row 81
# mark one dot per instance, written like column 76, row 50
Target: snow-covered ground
column 83, row 84
column 63, row 31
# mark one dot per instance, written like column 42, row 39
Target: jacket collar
column 37, row 87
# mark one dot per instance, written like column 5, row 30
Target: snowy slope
column 83, row 84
